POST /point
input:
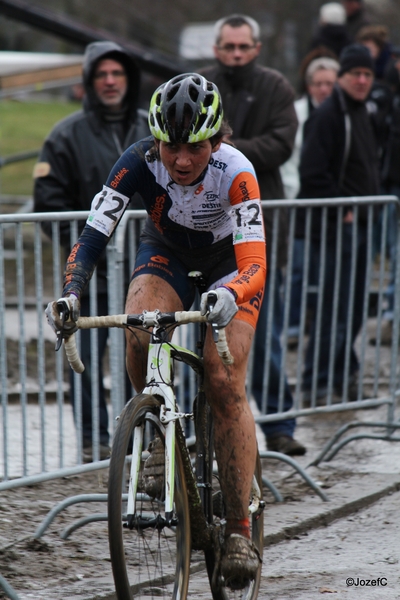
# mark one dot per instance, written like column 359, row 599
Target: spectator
column 355, row 17
column 318, row 52
column 390, row 177
column 376, row 39
column 331, row 32
column 75, row 160
column 328, row 170
column 320, row 79
column 258, row 103
column 382, row 103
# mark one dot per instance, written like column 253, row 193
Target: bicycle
column 155, row 541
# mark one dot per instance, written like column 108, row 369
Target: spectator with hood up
column 76, row 158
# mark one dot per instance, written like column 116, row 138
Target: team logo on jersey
column 160, row 259
column 156, row 212
column 199, row 189
column 244, row 190
column 218, row 164
column 257, row 299
column 118, row 177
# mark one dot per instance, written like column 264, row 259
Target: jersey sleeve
column 248, row 237
column 107, row 209
column 82, row 260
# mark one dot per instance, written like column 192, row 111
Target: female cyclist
column 204, row 213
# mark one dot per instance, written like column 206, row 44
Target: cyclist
column 204, row 213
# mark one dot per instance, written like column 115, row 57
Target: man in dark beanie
column 339, row 158
column 353, row 56
column 75, row 160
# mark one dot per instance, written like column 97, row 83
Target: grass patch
column 23, row 127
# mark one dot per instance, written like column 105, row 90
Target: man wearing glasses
column 76, row 157
column 258, row 103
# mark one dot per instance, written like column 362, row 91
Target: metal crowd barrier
column 40, row 439
column 378, row 385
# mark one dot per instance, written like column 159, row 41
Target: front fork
column 159, row 383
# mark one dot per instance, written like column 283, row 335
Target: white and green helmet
column 185, row 109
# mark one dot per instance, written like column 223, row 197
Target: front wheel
column 150, row 555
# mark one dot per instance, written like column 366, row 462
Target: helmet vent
column 208, row 100
column 193, row 93
column 172, row 92
column 200, row 123
column 160, row 123
column 158, row 99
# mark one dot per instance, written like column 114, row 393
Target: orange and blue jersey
column 222, row 207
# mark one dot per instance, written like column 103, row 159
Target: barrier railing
column 377, row 370
column 41, row 440
column 40, row 436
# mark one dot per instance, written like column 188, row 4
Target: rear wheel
column 219, row 591
column 150, row 557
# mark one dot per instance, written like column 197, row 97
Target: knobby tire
column 146, row 562
column 220, row 592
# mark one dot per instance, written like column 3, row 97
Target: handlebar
column 145, row 319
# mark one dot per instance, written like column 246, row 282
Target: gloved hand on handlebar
column 224, row 309
column 62, row 315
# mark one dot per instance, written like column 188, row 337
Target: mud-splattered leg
column 146, row 292
column 234, row 427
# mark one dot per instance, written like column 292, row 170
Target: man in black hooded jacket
column 75, row 159
column 339, row 158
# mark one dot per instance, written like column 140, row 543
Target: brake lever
column 211, row 302
column 63, row 309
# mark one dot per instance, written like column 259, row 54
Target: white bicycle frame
column 158, row 383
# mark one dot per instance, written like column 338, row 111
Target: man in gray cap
column 339, row 158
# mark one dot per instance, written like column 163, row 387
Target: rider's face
column 186, row 162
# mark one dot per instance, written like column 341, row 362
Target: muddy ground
column 79, row 567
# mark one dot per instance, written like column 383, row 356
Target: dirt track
column 55, row 569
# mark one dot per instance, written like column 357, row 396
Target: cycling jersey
column 222, row 206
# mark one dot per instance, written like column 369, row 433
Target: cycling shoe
column 240, row 561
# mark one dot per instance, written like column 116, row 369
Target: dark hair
column 375, row 33
column 224, row 131
column 237, row 20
